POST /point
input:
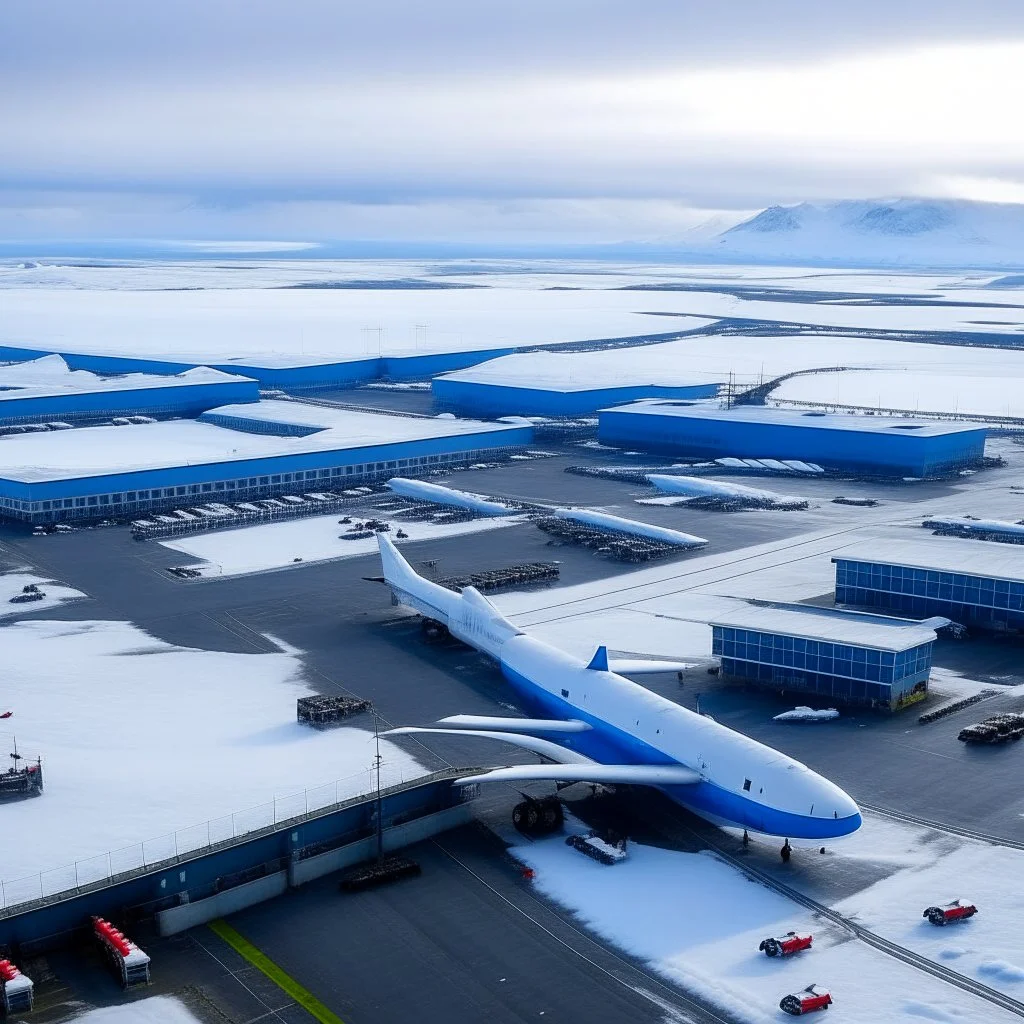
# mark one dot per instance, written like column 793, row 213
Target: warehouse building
column 121, row 471
column 873, row 445
column 842, row 657
column 974, row 582
column 47, row 390
column 564, row 384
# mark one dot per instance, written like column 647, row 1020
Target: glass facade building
column 983, row 601
column 846, row 673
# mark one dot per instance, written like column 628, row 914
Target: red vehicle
column 785, row 945
column 958, row 910
column 812, row 998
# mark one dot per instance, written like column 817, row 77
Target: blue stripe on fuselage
column 610, row 745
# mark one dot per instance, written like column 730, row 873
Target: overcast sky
column 469, row 120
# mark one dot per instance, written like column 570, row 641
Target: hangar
column 840, row 656
column 974, row 582
column 872, row 445
column 232, row 453
column 47, row 389
column 565, row 384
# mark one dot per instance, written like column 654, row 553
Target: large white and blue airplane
column 596, row 726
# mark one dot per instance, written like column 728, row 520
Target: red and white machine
column 128, row 961
column 785, row 945
column 958, row 910
column 812, row 998
column 15, row 989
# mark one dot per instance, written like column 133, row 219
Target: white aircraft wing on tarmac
column 610, row 774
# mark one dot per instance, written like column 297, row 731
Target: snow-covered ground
column 317, row 539
column 155, row 1010
column 238, row 313
column 698, row 921
column 140, row 738
column 13, row 583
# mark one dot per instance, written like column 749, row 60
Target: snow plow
column 593, row 846
column 958, row 910
column 812, row 998
column 785, row 945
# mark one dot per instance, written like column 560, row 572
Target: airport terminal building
column 253, row 450
column 974, row 582
column 837, row 656
column 872, row 445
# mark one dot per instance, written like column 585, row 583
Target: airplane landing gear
column 536, row 818
column 785, row 852
column 746, row 838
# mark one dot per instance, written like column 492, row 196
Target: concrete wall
column 299, row 872
column 188, row 915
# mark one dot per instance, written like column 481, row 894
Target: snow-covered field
column 140, row 738
column 279, row 545
column 288, row 327
column 698, row 921
column 247, row 312
column 13, row 583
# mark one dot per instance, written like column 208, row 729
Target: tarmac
column 470, row 940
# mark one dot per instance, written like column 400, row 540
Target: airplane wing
column 569, row 766
column 526, row 725
column 545, row 748
column 624, row 774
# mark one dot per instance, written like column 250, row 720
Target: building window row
column 120, row 502
column 959, row 588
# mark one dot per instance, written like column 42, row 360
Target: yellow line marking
column 265, row 965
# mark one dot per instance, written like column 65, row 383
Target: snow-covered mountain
column 918, row 232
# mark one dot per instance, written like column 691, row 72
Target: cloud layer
column 577, row 121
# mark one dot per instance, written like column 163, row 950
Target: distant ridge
column 928, row 232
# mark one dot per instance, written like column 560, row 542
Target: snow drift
column 631, row 526
column 698, row 487
column 422, row 491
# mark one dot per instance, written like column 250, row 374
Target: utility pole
column 380, row 802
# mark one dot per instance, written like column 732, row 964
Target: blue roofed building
column 869, row 445
column 230, row 453
column 833, row 655
column 47, row 390
column 977, row 583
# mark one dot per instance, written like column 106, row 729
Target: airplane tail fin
column 469, row 616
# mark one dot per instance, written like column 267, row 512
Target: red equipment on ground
column 15, row 989
column 785, row 945
column 958, row 910
column 812, row 998
column 128, row 961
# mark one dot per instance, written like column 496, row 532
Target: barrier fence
column 117, row 865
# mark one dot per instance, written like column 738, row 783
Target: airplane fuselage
column 741, row 783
